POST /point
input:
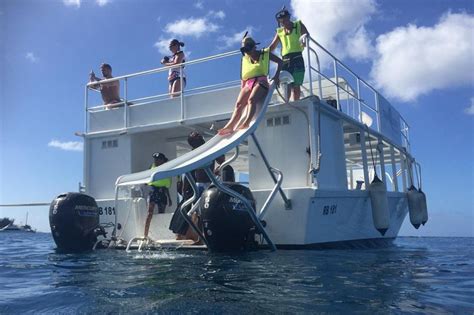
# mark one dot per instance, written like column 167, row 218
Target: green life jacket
column 165, row 182
column 290, row 43
column 258, row 69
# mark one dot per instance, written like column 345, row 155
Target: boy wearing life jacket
column 289, row 34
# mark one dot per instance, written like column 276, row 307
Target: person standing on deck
column 289, row 34
column 174, row 74
column 254, row 84
column 110, row 91
column 159, row 195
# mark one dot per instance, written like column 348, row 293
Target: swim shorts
column 294, row 64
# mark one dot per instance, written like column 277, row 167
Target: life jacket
column 258, row 69
column 290, row 43
column 165, row 182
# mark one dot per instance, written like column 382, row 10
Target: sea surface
column 416, row 275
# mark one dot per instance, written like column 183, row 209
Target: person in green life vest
column 289, row 34
column 159, row 195
column 254, row 84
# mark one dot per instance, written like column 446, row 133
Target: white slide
column 199, row 157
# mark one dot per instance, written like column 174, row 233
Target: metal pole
column 282, row 193
column 364, row 158
column 382, row 162
column 125, row 109
column 378, row 110
column 86, row 107
column 181, row 92
column 358, row 99
column 309, row 66
column 394, row 168
column 337, row 85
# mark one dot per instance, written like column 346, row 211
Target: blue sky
column 419, row 54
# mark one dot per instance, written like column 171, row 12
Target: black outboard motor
column 227, row 226
column 74, row 222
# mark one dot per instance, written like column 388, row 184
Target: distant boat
column 7, row 224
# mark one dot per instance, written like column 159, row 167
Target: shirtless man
column 110, row 91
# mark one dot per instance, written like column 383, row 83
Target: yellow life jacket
column 165, row 182
column 290, row 43
column 258, row 69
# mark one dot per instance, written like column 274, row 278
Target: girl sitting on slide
column 254, row 85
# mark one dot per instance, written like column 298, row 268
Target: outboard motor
column 226, row 223
column 74, row 222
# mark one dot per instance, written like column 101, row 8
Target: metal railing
column 356, row 106
column 126, row 102
column 341, row 86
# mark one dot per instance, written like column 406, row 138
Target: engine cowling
column 74, row 220
column 226, row 223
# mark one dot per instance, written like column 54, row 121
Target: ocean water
column 416, row 275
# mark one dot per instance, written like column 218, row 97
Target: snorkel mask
column 281, row 14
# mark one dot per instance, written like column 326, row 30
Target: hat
column 248, row 41
column 195, row 139
column 160, row 156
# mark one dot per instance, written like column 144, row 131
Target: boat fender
column 379, row 202
column 74, row 222
column 414, row 206
column 424, row 207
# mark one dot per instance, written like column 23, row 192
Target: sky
column 418, row 54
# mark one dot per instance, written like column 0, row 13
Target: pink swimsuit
column 250, row 83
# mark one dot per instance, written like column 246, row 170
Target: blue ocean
column 415, row 275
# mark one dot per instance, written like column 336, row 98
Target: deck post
column 364, row 158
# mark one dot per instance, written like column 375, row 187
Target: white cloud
column 191, row 27
column 66, row 146
column 358, row 46
column 339, row 28
column 72, row 3
column 217, row 14
column 31, row 57
column 102, row 3
column 234, row 39
column 470, row 109
column 199, row 5
column 412, row 61
column 163, row 45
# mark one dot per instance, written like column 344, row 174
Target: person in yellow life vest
column 288, row 34
column 159, row 195
column 254, row 84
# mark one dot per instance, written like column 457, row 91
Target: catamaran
column 331, row 169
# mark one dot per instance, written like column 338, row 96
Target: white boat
column 315, row 156
column 8, row 225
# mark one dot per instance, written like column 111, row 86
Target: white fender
column 379, row 202
column 424, row 207
column 414, row 206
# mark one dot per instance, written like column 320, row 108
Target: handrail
column 163, row 69
column 375, row 108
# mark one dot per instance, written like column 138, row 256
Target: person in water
column 174, row 73
column 159, row 195
column 110, row 91
column 254, row 84
column 289, row 34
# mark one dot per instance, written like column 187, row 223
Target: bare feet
column 225, row 131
